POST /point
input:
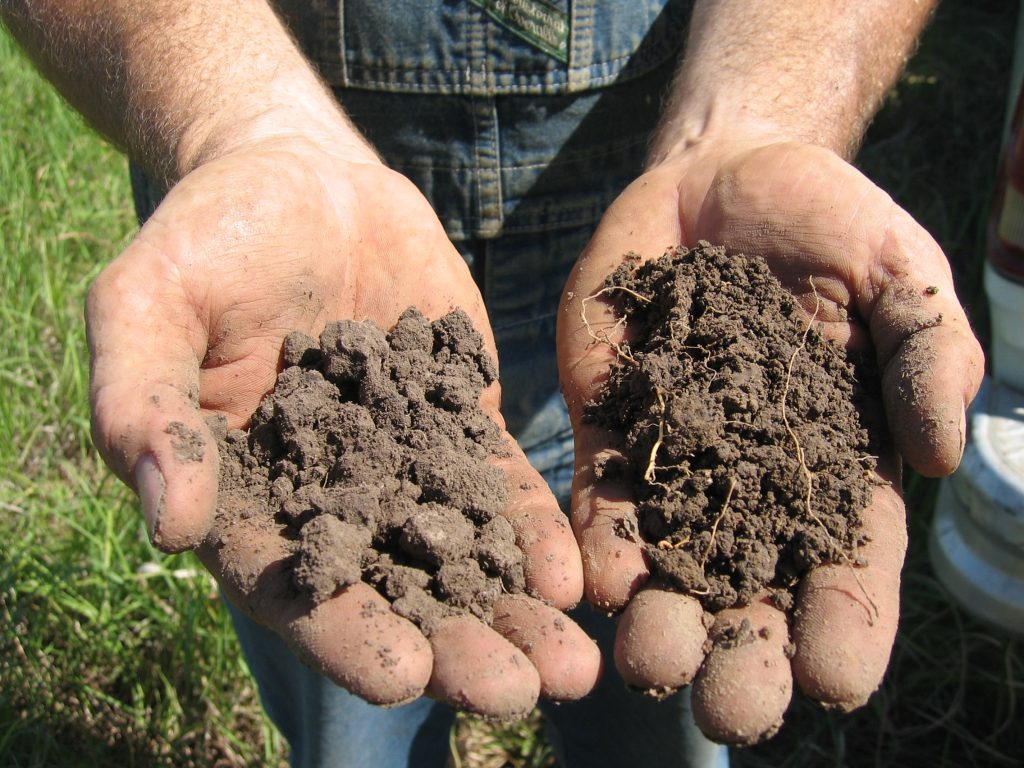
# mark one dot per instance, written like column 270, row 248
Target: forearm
column 176, row 81
column 813, row 71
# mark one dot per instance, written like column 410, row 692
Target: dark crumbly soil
column 371, row 456
column 744, row 443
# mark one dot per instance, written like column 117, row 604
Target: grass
column 104, row 664
column 100, row 664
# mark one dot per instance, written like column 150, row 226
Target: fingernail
column 151, row 487
column 963, row 435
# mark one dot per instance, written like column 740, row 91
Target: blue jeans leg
column 615, row 727
column 328, row 727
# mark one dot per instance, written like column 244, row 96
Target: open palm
column 189, row 321
column 874, row 280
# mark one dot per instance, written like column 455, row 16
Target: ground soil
column 370, row 455
column 744, row 440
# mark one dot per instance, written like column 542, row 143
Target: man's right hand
column 281, row 234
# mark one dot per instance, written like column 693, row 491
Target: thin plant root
column 601, row 337
column 721, row 514
column 808, row 475
column 662, row 427
column 805, row 470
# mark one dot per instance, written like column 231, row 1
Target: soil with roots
column 370, row 457
column 744, row 440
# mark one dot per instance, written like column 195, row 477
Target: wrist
column 716, row 126
column 807, row 72
column 697, row 149
column 303, row 111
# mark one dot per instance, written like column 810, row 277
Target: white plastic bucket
column 977, row 536
column 1006, row 309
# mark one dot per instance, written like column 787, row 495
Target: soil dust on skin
column 188, row 444
column 370, row 456
column 744, row 443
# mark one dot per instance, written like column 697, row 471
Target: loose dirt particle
column 189, row 445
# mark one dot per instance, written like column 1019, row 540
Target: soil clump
column 744, row 440
column 370, row 458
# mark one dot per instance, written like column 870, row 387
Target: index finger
column 603, row 515
column 145, row 343
column 932, row 364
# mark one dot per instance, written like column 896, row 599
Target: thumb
column 145, row 342
column 932, row 364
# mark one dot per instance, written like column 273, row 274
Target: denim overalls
column 520, row 121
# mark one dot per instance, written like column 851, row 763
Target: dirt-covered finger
column 847, row 613
column 552, row 564
column 926, row 397
column 659, row 644
column 605, row 523
column 745, row 684
column 479, row 671
column 932, row 364
column 145, row 397
column 356, row 640
column 566, row 658
column 353, row 638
